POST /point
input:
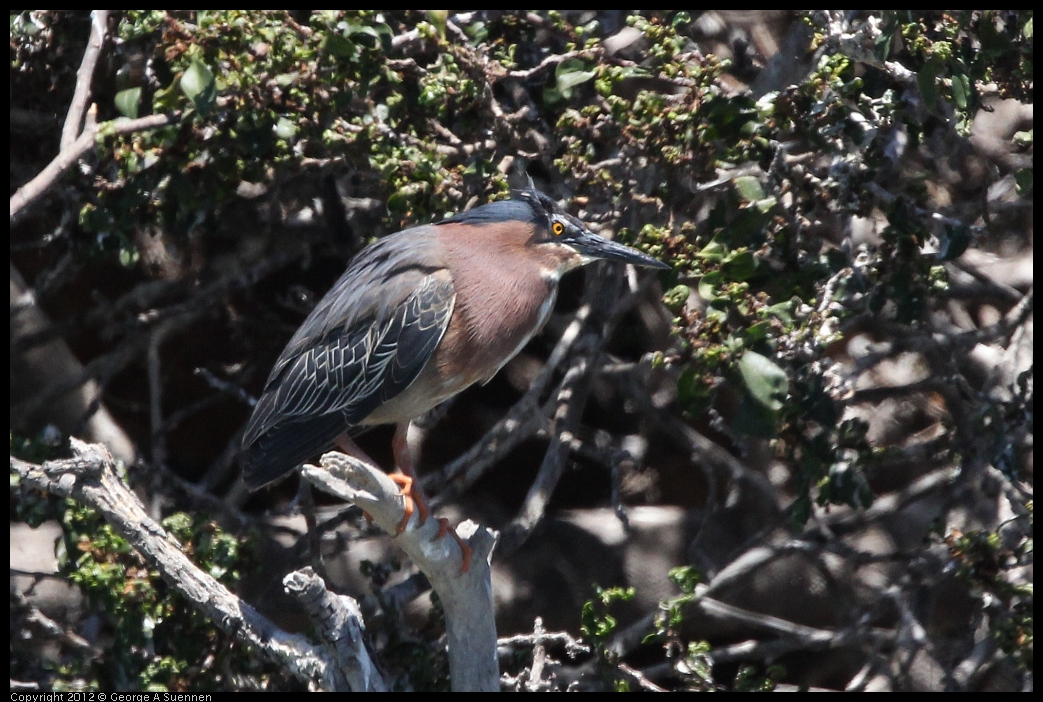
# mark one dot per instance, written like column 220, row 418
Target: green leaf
column 767, row 383
column 800, row 510
column 1023, row 181
column 928, row 87
column 362, row 33
column 750, row 188
column 747, row 227
column 961, row 90
column 477, row 31
column 438, row 18
column 782, row 311
column 766, row 205
column 632, row 72
column 693, row 393
column 758, row 331
column 199, row 86
column 567, row 81
column 285, row 129
column 397, row 203
column 685, row 577
column 676, row 297
column 569, row 74
column 753, row 419
column 708, row 286
column 738, row 265
column 336, row 45
column 887, row 34
column 128, row 101
column 713, row 252
column 166, row 99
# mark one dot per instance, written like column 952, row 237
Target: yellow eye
column 557, row 228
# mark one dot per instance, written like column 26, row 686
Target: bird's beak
column 592, row 246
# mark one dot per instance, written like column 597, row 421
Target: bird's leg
column 405, row 461
column 405, row 464
column 405, row 483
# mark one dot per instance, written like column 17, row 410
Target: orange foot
column 405, row 483
column 465, row 549
column 415, row 500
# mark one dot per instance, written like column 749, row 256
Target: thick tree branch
column 90, row 477
column 465, row 597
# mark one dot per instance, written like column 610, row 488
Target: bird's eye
column 557, row 228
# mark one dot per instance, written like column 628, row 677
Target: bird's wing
column 365, row 343
column 351, row 371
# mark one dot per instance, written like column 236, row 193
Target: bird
column 417, row 317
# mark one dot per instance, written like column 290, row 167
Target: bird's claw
column 414, row 501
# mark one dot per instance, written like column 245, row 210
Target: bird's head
column 569, row 241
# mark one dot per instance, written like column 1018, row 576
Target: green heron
column 416, row 318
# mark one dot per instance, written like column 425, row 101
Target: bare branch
column 553, row 61
column 572, row 398
column 90, row 477
column 465, row 597
column 338, row 620
column 82, row 93
column 35, row 188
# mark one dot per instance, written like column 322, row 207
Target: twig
column 889, row 505
column 552, row 61
column 400, row 40
column 176, row 316
column 600, row 290
column 536, row 678
column 875, row 395
column 888, row 198
column 400, row 594
column 155, row 387
column 572, row 646
column 82, row 92
column 643, row 682
column 941, row 345
column 859, row 44
column 1005, row 292
column 35, row 188
column 50, row 627
column 795, row 636
column 101, row 369
column 224, row 387
column 1001, row 329
column 571, row 400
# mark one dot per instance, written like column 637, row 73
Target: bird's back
column 363, row 344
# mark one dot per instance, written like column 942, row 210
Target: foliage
column 985, row 564
column 597, row 627
column 156, row 642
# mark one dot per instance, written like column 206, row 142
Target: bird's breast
column 495, row 314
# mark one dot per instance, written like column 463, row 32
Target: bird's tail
column 282, row 449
